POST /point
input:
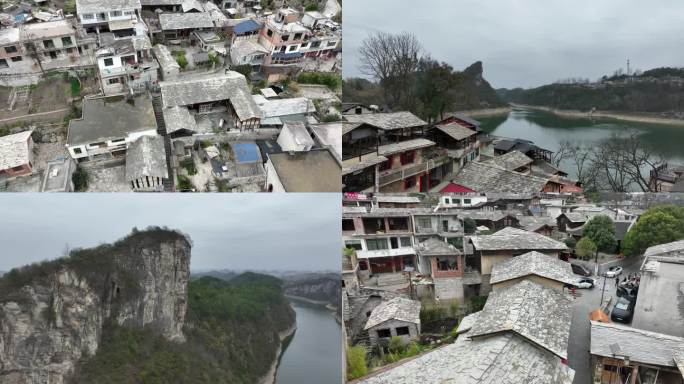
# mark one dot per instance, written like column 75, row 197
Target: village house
column 506, row 244
column 98, row 16
column 490, row 178
column 57, row 175
column 372, row 130
column 534, row 266
column 619, row 352
column 445, row 225
column 395, row 201
column 458, row 135
column 443, row 263
column 146, row 168
column 275, row 112
column 398, row 317
column 662, row 274
column 226, row 95
column 168, row 66
column 316, row 170
column 493, row 220
column 294, row 137
column 16, row 154
column 244, row 30
column 667, row 178
column 108, row 126
column 521, row 335
column 462, row 200
column 329, row 135
column 283, row 35
column 164, row 5
column 127, row 66
column 571, row 220
column 248, row 52
column 178, row 26
column 525, row 147
column 542, row 225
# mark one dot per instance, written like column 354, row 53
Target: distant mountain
column 317, row 287
column 659, row 90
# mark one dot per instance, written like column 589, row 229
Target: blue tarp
column 247, row 152
column 246, row 26
column 293, row 55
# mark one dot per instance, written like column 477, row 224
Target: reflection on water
column 315, row 353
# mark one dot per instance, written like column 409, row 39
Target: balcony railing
column 393, row 175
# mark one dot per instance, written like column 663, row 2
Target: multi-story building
column 127, row 65
column 98, row 16
column 283, row 35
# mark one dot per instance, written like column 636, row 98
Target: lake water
column 315, row 353
column 547, row 130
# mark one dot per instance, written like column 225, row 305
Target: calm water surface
column 315, row 353
column 548, row 130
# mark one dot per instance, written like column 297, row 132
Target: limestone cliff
column 52, row 314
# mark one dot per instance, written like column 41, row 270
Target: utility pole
column 628, row 73
column 602, row 291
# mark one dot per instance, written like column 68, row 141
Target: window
column 347, row 224
column 108, row 62
column 115, row 13
column 466, row 201
column 385, row 165
column 315, row 44
column 16, row 58
column 376, row 244
column 447, row 200
column 407, row 157
column 70, row 50
column 18, row 168
column 332, row 43
column 269, row 33
column 3, row 63
column 48, row 44
column 424, row 222
column 78, row 151
column 129, row 13
column 87, row 16
column 410, row 182
column 355, row 244
column 402, row 331
column 373, row 225
column 384, row 333
column 11, row 49
column 85, row 46
column 66, row 41
column 297, row 36
column 292, row 48
column 113, row 81
column 305, row 45
column 405, row 241
column 398, row 223
column 286, row 37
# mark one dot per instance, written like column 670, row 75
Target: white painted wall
column 272, row 178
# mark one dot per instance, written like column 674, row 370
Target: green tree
column 356, row 362
column 585, row 247
column 80, row 179
column 657, row 225
column 469, row 225
column 570, row 242
column 601, row 231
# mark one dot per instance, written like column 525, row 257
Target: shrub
column 189, row 165
column 80, row 179
column 331, row 117
column 330, row 80
column 184, row 184
column 585, row 247
column 75, row 87
column 356, row 362
column 570, row 242
column 181, row 60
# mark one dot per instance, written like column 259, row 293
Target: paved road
column 586, row 301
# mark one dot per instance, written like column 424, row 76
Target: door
column 445, row 225
column 425, row 183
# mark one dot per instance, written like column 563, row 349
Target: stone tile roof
column 284, row 107
column 163, row 55
column 500, row 359
column 388, row 121
column 673, row 248
column 511, row 238
column 210, row 88
column 533, row 263
column 176, row 21
column 94, row 6
column 177, row 118
column 532, row 223
column 467, row 323
column 243, row 48
column 533, row 311
column 398, row 308
column 456, row 131
column 679, row 360
column 576, row 217
column 408, row 145
column 384, row 198
column 14, row 150
column 510, row 161
column 435, row 247
column 348, row 126
column 365, row 163
column 160, row 2
column 483, row 177
column 312, row 171
column 616, row 340
column 146, row 156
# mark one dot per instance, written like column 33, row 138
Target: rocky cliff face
column 53, row 314
column 325, row 288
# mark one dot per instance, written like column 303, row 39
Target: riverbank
column 638, row 118
column 326, row 304
column 270, row 376
column 486, row 112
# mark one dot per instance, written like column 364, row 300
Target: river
column 315, row 353
column 547, row 130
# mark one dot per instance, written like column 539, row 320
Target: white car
column 585, row 283
column 613, row 271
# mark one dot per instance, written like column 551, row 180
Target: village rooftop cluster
column 488, row 288
column 179, row 95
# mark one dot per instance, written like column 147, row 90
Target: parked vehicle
column 613, row 271
column 580, row 270
column 585, row 283
column 622, row 311
column 629, row 293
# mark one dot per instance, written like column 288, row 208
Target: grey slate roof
column 160, row 2
column 398, row 308
column 14, row 150
column 533, row 263
column 385, row 198
column 388, row 121
column 532, row 223
column 286, row 107
column 163, row 55
column 500, row 359
column 456, row 131
column 408, row 145
column 535, row 312
column 640, row 346
column 673, row 248
column 483, row 177
column 435, row 247
column 210, row 88
column 176, row 21
column 679, row 360
column 510, row 161
column 146, row 156
column 111, row 118
column 511, row 238
column 93, row 6
column 467, row 323
column 576, row 217
column 177, row 118
column 367, row 162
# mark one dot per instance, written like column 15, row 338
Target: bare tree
column 562, row 153
column 640, row 161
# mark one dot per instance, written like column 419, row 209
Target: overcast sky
column 525, row 43
column 294, row 231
